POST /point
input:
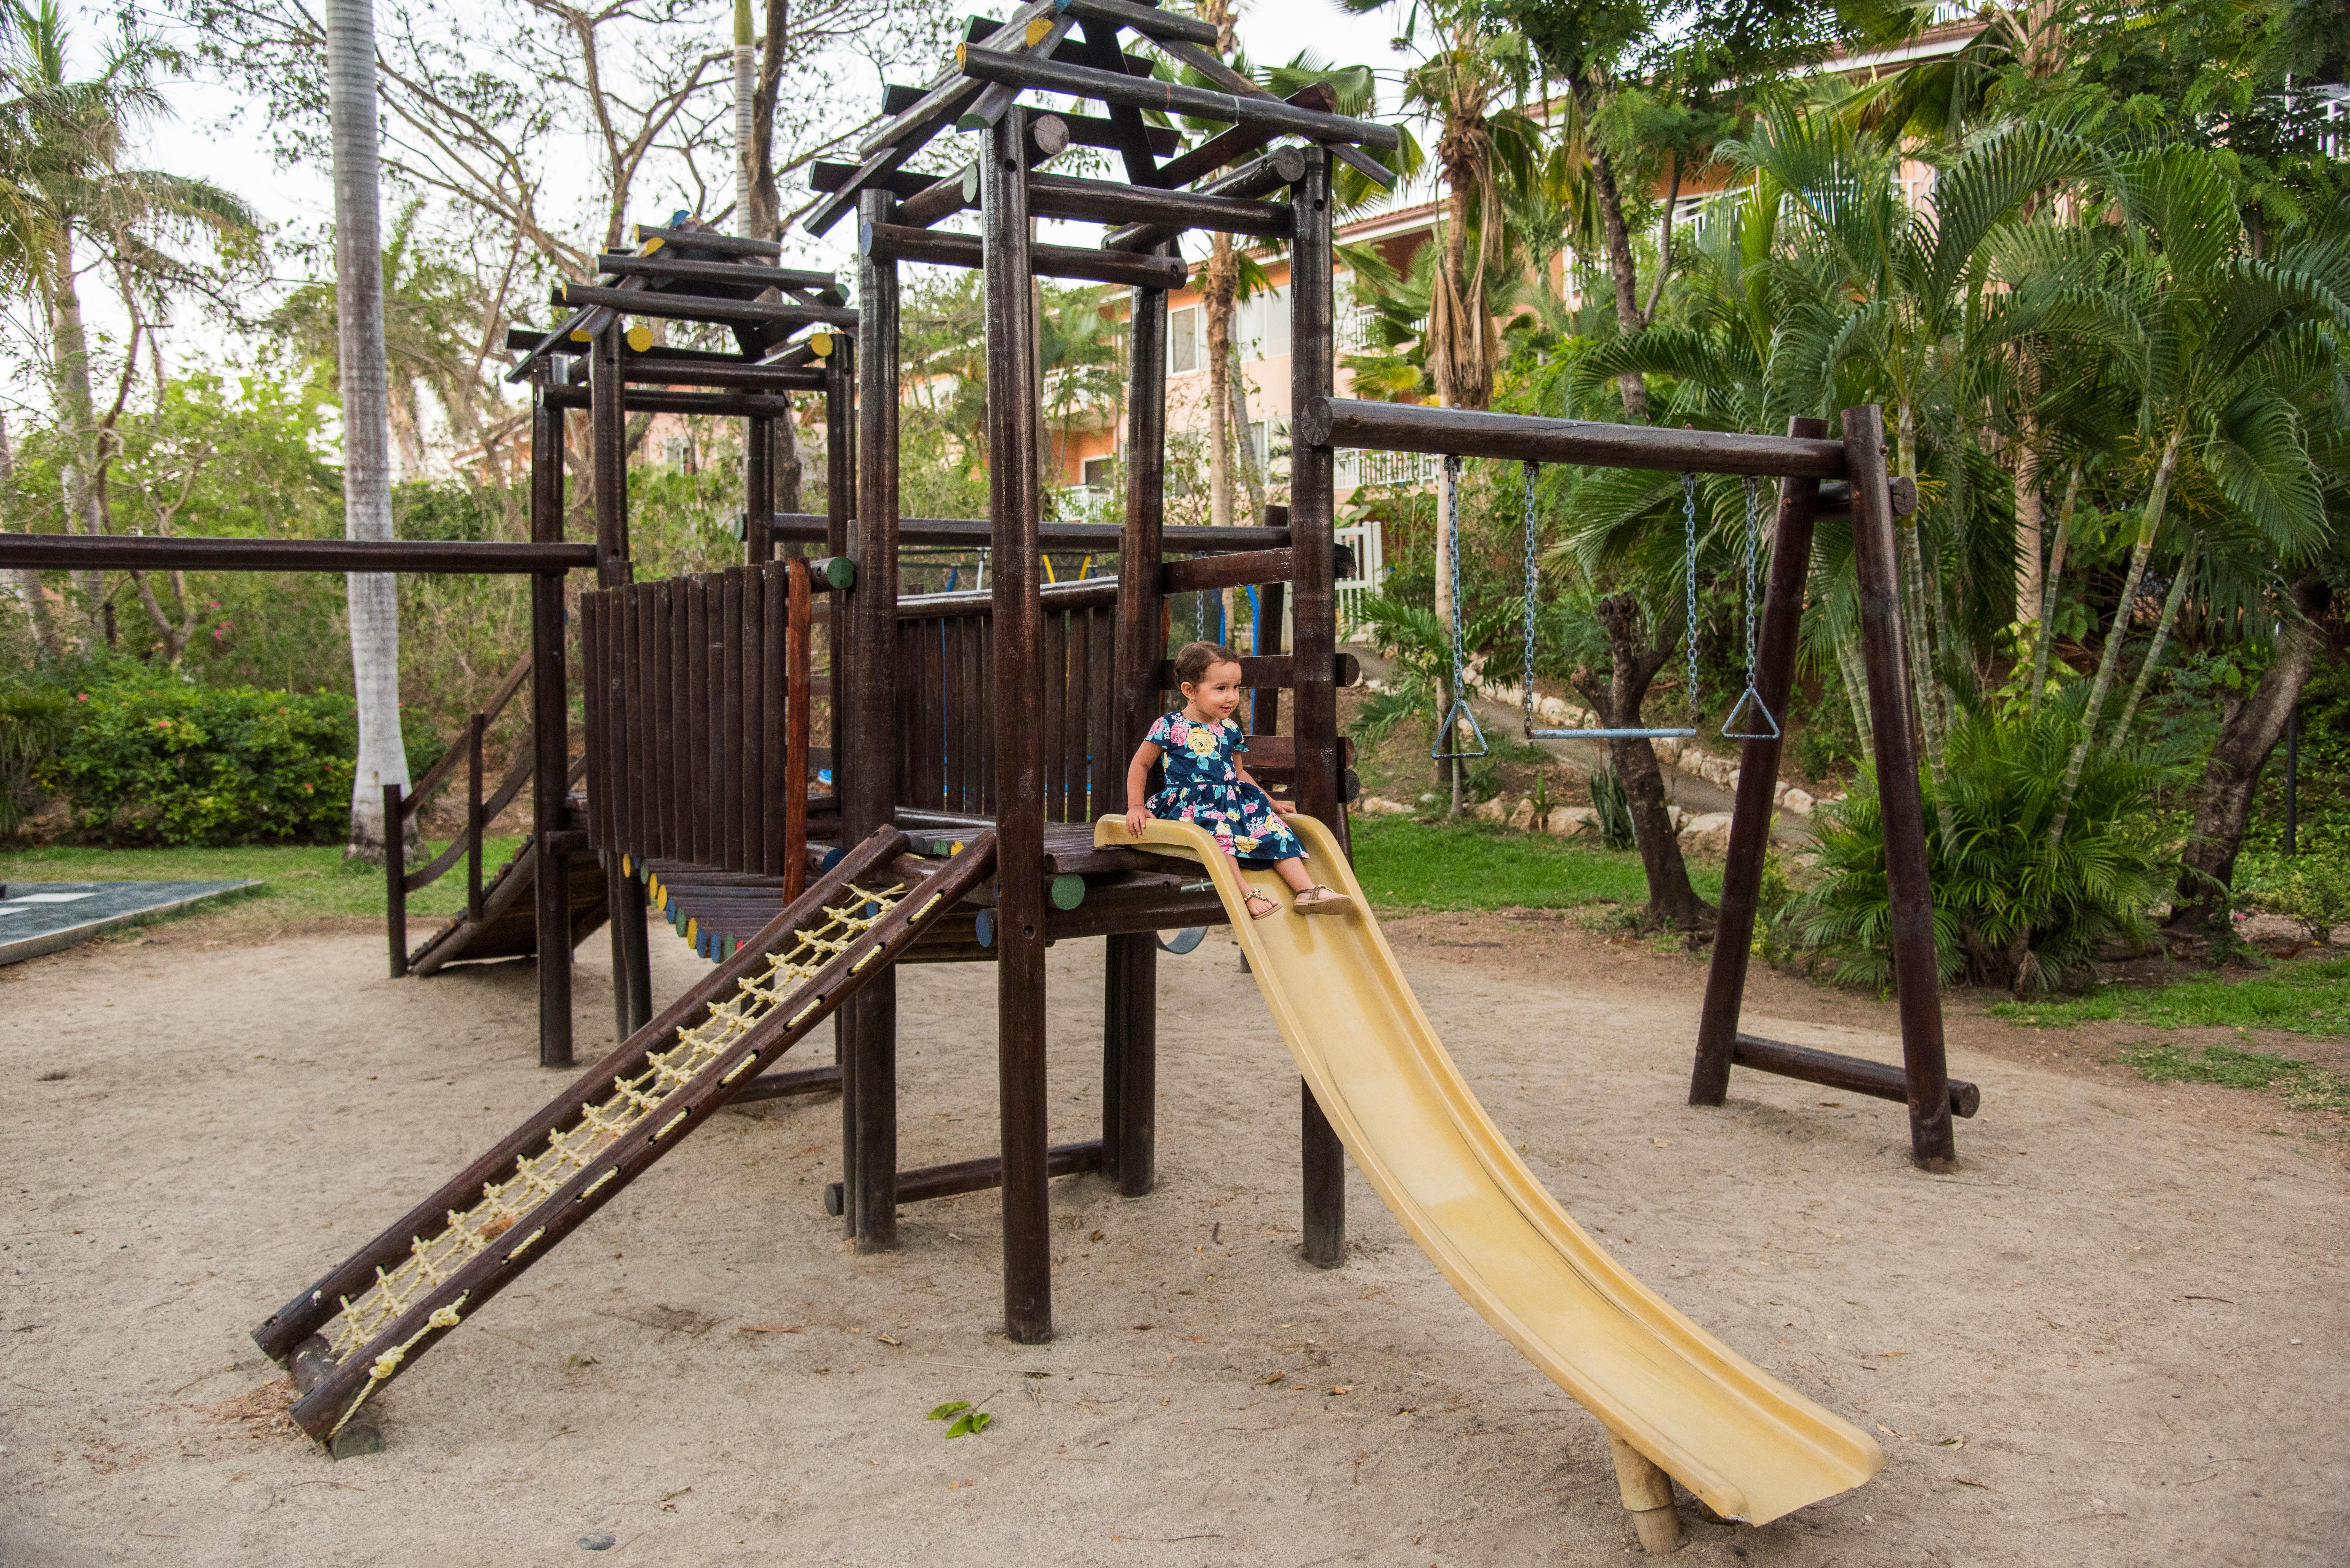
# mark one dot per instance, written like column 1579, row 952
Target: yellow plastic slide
column 1752, row 1448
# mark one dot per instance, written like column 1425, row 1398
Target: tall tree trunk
column 766, row 208
column 28, row 581
column 70, row 346
column 2110, row 660
column 2170, row 603
column 374, row 597
column 1925, row 669
column 2044, row 631
column 1672, row 901
column 2248, row 732
column 746, row 151
column 789, row 468
column 2028, row 509
column 1856, row 685
column 1219, row 282
column 1664, row 242
column 1630, row 321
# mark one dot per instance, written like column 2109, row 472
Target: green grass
column 2305, row 1088
column 299, row 882
column 2310, row 997
column 1408, row 864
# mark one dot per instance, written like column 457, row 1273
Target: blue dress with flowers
column 1203, row 785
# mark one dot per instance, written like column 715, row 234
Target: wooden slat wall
column 689, row 708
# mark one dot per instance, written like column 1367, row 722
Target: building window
column 1256, row 450
column 1183, row 340
column 1097, row 472
column 1264, row 324
column 677, row 452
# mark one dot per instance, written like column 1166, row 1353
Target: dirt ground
column 2115, row 1336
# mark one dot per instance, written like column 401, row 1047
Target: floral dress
column 1203, row 785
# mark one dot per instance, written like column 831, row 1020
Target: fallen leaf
column 666, row 1502
column 1966, row 1481
column 1140, row 1327
column 1094, row 1237
column 1958, row 1442
column 1341, row 1389
column 497, row 1227
column 1890, row 1355
column 1273, row 1377
column 890, row 1339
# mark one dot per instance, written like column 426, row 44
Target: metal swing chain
column 1759, row 724
column 1689, row 541
column 1452, row 554
column 1534, row 581
column 1749, row 482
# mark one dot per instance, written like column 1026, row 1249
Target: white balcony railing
column 1356, row 467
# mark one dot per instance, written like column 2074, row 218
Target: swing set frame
column 1805, row 462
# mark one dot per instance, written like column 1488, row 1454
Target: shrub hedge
column 150, row 761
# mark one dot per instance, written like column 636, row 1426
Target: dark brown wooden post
column 550, row 734
column 1932, row 1142
column 800, row 678
column 867, row 772
column 395, row 880
column 840, row 501
column 758, row 490
column 1311, row 518
column 1758, row 776
column 608, row 462
column 1130, row 1000
column 1018, row 709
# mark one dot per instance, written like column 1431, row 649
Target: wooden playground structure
column 974, row 739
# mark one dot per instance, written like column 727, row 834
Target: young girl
column 1207, row 784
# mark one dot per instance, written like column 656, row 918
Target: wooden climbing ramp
column 442, row 1262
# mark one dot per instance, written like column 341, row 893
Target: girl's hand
column 1281, row 807
column 1135, row 817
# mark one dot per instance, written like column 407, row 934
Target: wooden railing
column 699, row 698
column 400, row 806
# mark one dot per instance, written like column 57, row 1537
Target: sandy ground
column 2115, row 1335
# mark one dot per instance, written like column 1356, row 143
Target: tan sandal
column 1272, row 905
column 1321, row 900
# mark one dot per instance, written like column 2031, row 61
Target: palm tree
column 2222, row 349
column 1911, row 315
column 63, row 186
column 1482, row 147
column 367, row 424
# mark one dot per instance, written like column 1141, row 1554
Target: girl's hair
column 1194, row 659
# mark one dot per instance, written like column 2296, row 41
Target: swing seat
column 1612, row 734
column 1460, row 710
column 1753, row 699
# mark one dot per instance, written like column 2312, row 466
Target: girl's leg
column 1292, row 871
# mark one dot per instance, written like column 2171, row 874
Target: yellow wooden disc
column 1036, row 31
column 640, row 338
column 820, row 345
column 579, row 335
column 692, row 927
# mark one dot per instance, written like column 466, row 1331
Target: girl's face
column 1216, row 694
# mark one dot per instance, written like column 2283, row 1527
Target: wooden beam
column 705, row 308
column 896, row 241
column 1854, row 1074
column 1106, row 202
column 1276, row 171
column 1230, row 147
column 59, row 552
column 1278, row 115
column 750, row 276
column 1473, row 432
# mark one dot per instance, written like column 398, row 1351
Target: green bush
column 2009, row 910
column 150, row 761
column 2312, row 891
column 33, row 724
